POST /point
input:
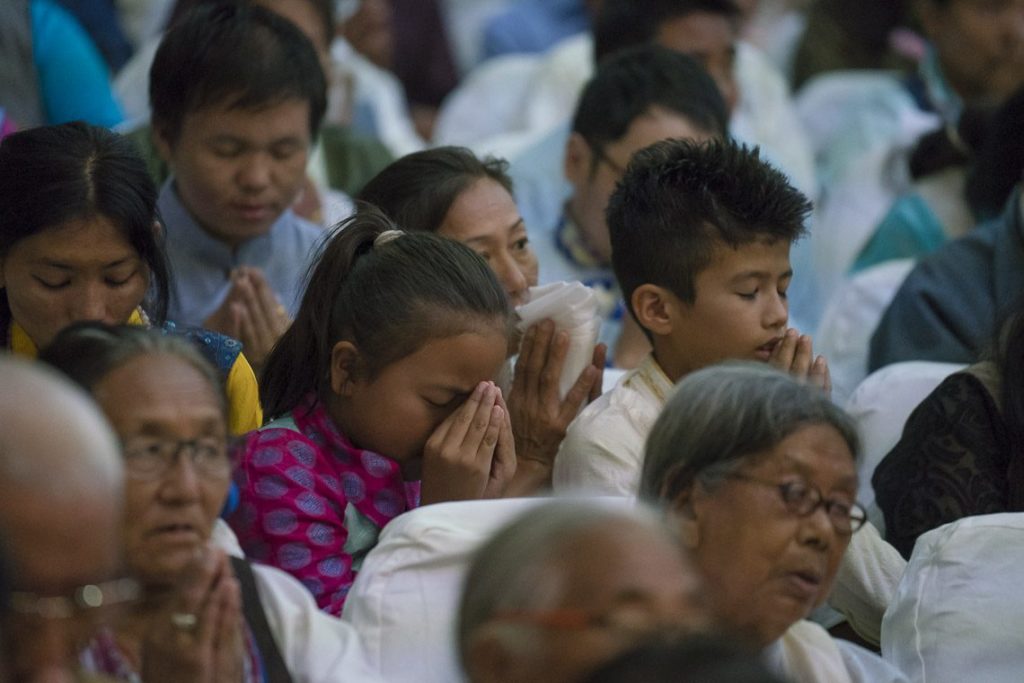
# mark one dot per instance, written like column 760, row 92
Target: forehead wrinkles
column 812, row 461
column 166, row 389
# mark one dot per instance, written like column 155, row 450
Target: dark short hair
column 239, row 55
column 722, row 416
column 680, row 199
column 625, row 23
column 54, row 174
column 89, row 351
column 388, row 299
column 418, row 190
column 324, row 10
column 627, row 85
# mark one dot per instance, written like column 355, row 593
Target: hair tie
column 387, row 236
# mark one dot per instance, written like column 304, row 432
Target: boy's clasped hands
column 794, row 353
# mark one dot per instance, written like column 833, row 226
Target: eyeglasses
column 801, row 499
column 151, row 458
column 85, row 601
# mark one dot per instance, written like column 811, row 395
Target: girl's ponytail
column 296, row 365
column 388, row 293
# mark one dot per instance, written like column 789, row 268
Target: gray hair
column 88, row 352
column 515, row 569
column 719, row 416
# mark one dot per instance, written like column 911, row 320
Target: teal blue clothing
column 949, row 307
column 910, row 230
column 533, row 26
column 73, row 79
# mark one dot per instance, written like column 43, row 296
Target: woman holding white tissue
column 448, row 190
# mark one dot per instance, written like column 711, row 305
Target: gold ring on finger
column 183, row 621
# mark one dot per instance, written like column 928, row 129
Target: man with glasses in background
column 638, row 97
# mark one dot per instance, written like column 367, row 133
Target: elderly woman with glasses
column 202, row 615
column 757, row 472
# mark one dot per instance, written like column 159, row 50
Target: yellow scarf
column 22, row 344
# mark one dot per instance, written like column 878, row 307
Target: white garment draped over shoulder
column 806, row 653
column 315, row 647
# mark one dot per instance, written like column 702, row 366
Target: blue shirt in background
column 73, row 78
column 201, row 265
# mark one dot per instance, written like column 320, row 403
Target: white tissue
column 573, row 308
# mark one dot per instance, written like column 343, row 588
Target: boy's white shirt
column 603, row 449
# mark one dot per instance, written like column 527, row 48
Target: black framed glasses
column 802, row 499
column 150, row 458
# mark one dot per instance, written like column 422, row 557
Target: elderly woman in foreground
column 757, row 472
column 204, row 616
column 568, row 586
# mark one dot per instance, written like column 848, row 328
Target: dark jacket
column 951, row 304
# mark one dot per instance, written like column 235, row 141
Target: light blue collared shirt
column 533, row 26
column 201, row 265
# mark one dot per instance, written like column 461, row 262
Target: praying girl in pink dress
column 381, row 398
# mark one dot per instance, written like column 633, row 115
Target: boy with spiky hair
column 700, row 235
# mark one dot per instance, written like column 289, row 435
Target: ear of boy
column 344, row 367
column 655, row 308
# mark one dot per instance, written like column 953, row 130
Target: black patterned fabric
column 951, row 462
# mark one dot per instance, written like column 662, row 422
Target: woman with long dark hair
column 80, row 241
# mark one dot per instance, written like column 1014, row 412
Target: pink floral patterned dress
column 312, row 504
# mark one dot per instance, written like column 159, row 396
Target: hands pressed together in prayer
column 198, row 634
column 471, row 454
column 252, row 314
column 795, row 355
column 489, row 448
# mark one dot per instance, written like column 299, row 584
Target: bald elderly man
column 567, row 587
column 61, row 487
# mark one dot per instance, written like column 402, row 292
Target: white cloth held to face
column 573, row 308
